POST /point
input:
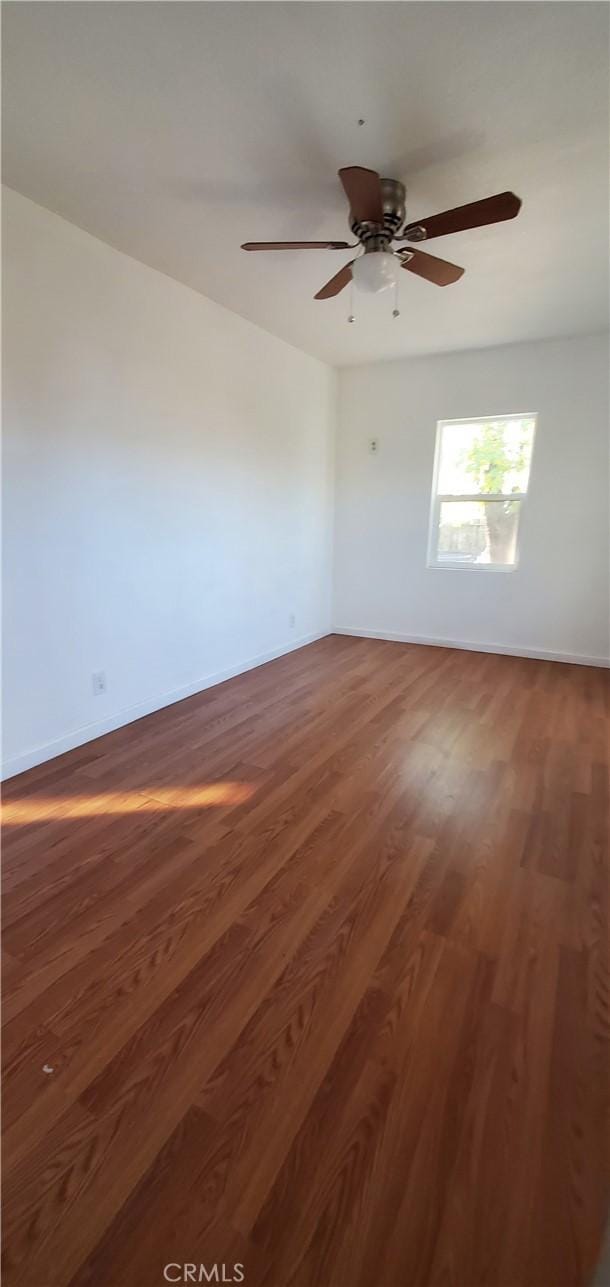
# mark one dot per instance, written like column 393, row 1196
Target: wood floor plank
column 416, row 1150
column 164, row 1221
column 330, row 1163
column 309, row 972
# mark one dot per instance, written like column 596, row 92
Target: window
column 481, row 475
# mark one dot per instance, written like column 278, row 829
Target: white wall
column 168, row 488
column 556, row 602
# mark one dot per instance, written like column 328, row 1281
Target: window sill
column 471, row 567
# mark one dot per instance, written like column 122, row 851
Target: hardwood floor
column 308, row 973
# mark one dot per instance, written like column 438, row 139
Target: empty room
column 306, row 643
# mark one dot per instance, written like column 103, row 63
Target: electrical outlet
column 98, row 682
column 292, row 620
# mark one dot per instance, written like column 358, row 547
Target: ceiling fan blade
column 505, row 205
column 363, row 191
column 296, row 245
column 336, row 283
column 439, row 271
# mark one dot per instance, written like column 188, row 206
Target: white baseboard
column 88, row 732
column 510, row 650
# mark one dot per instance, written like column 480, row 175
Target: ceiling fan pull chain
column 396, row 310
column 351, row 316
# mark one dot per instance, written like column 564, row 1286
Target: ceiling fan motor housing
column 393, row 196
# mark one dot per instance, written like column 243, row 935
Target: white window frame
column 433, row 563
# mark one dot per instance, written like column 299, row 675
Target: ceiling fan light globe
column 376, row 271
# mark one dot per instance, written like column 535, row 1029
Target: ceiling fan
column 377, row 218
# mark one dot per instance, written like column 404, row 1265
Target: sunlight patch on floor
column 210, row 795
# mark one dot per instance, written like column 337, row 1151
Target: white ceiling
column 175, row 131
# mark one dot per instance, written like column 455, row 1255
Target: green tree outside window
column 491, row 461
